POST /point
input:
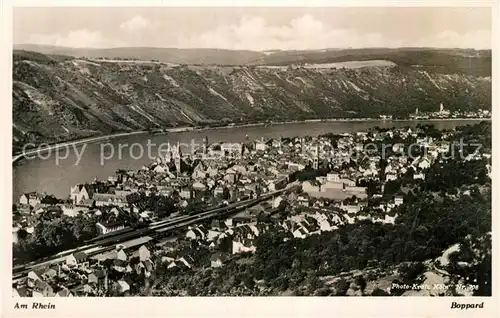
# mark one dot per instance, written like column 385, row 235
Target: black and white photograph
column 336, row 151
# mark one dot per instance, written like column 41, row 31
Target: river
column 55, row 175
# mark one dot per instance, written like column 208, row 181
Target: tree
column 248, row 281
column 361, row 282
column 226, row 194
column 341, row 287
column 22, row 234
column 410, row 272
column 49, row 199
column 379, row 292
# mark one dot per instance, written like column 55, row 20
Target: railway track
column 156, row 230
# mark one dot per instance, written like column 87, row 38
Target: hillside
column 57, row 97
column 465, row 61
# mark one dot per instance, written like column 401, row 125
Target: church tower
column 177, row 162
column 178, row 158
column 168, row 157
column 205, row 145
column 316, row 158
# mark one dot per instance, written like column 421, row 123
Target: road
column 156, row 230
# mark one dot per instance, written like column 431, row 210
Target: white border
column 257, row 3
column 232, row 306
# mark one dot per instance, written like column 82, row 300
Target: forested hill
column 58, row 97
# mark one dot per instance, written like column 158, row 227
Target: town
column 208, row 209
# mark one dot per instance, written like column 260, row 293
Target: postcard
column 216, row 159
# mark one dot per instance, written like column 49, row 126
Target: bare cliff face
column 59, row 98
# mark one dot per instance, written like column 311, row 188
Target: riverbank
column 333, row 120
column 19, row 156
column 56, row 146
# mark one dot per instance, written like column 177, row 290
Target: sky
column 254, row 28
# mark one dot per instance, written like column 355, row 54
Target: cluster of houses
column 114, row 272
column 326, row 203
column 445, row 113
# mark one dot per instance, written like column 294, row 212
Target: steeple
column 205, row 145
column 316, row 158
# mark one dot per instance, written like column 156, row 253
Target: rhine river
column 56, row 177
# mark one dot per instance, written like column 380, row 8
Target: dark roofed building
column 219, row 225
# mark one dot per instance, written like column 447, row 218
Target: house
column 333, row 177
column 42, row 289
column 218, row 191
column 260, row 146
column 311, row 186
column 80, row 193
column 197, row 233
column 230, row 177
column 105, row 228
column 122, row 286
column 219, row 225
column 199, row 186
column 168, row 258
column 424, row 163
column 277, row 201
column 303, row 199
column 15, row 231
column 229, row 223
column 34, row 276
column 64, row 293
column 325, row 225
column 218, row 260
column 185, row 193
column 76, row 258
column 288, row 225
column 300, row 233
column 104, row 199
column 87, row 203
column 398, row 200
column 391, row 176
column 143, row 253
column 212, row 235
column 350, row 208
column 161, row 169
column 187, row 261
column 49, row 274
column 145, row 268
column 199, row 171
column 149, row 266
column 420, row 175
column 32, row 199
column 242, row 246
column 348, row 182
column 96, row 277
column 240, row 220
column 117, row 254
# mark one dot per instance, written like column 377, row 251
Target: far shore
column 19, row 156
column 331, row 120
